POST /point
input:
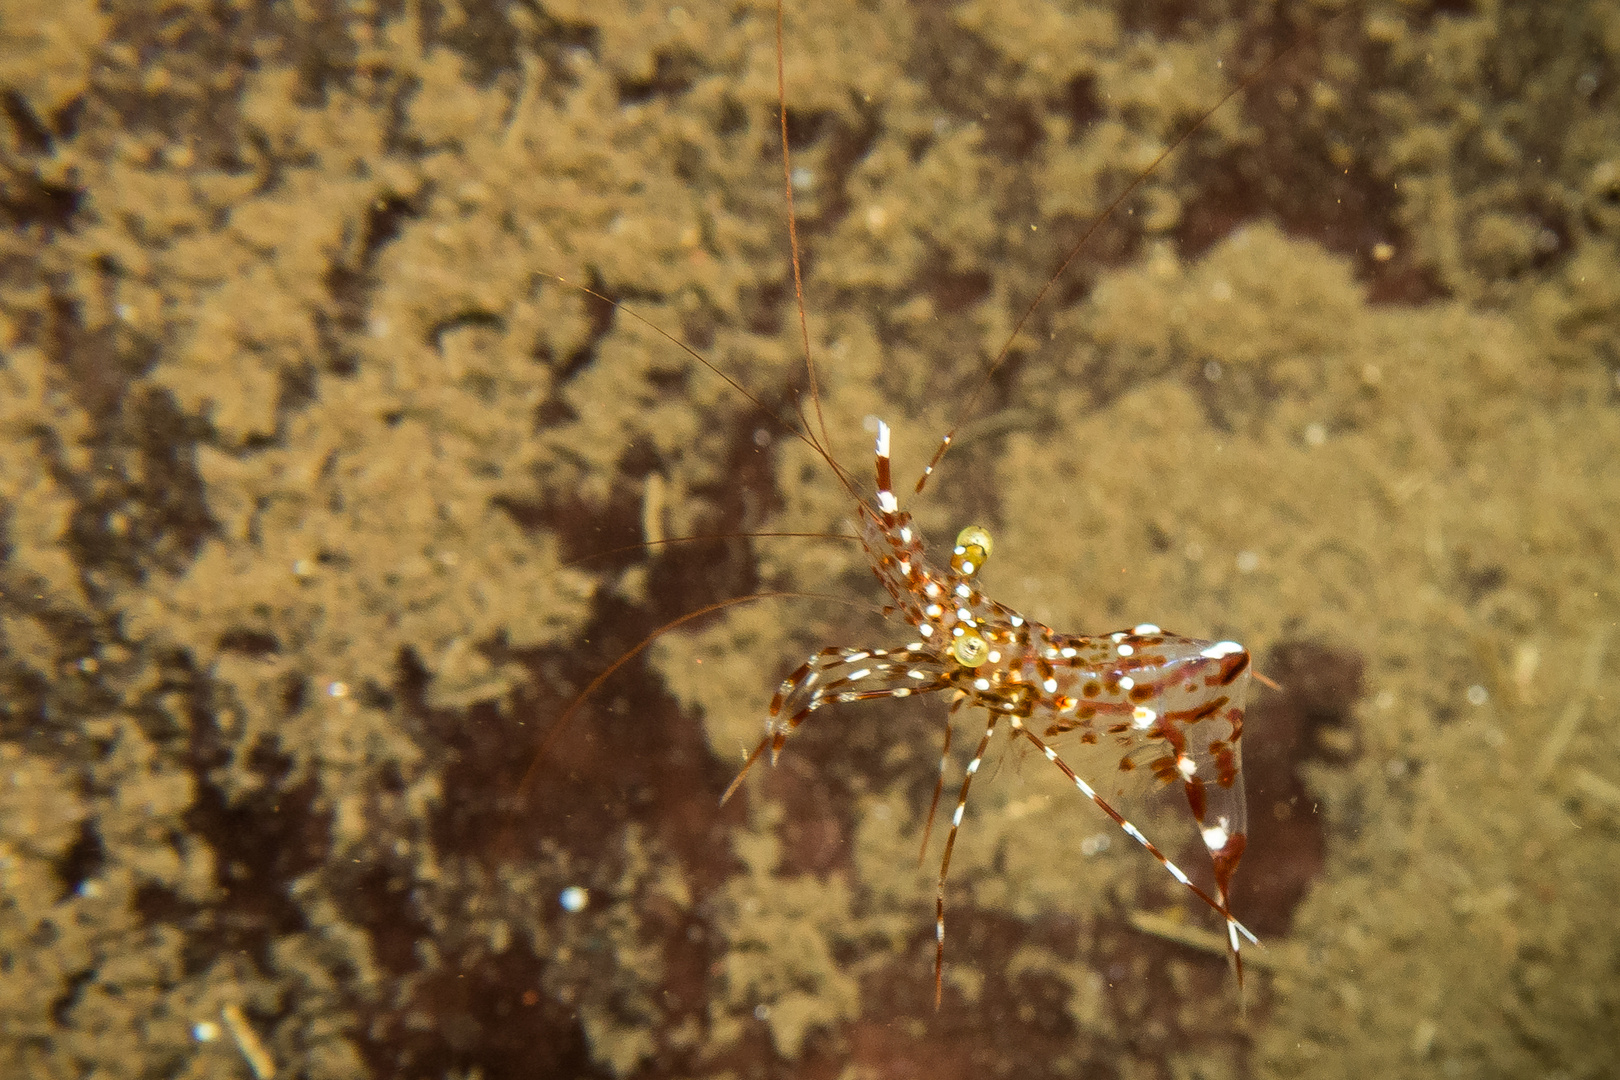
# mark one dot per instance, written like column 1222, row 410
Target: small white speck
column 963, row 591
column 981, row 684
column 1127, row 683
column 205, row 1031
column 1478, row 695
column 1050, row 686
column 574, row 898
column 1186, row 766
column 1016, row 620
column 1215, row 837
column 337, row 689
column 1095, row 844
column 762, row 1012
column 995, row 656
column 1126, row 650
column 1069, row 653
column 925, row 630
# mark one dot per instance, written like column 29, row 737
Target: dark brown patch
column 1286, row 833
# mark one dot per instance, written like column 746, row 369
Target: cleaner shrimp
column 1162, row 706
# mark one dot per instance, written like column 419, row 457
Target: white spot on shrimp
column 882, row 439
column 1143, row 717
column 981, row 684
column 856, row 656
column 1126, row 650
column 1215, row 837
column 861, row 674
column 1186, row 766
column 905, row 535
column 886, row 502
column 1221, row 649
column 574, row 898
column 963, row 591
column 973, row 766
column 1069, row 653
column 956, row 818
column 1050, row 686
column 925, row 630
column 1127, row 683
column 1146, row 628
column 916, row 674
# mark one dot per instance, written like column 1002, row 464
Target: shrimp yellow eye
column 972, row 549
column 970, row 649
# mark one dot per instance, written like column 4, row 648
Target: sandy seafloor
column 299, row 451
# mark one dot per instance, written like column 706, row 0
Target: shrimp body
column 1168, row 704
